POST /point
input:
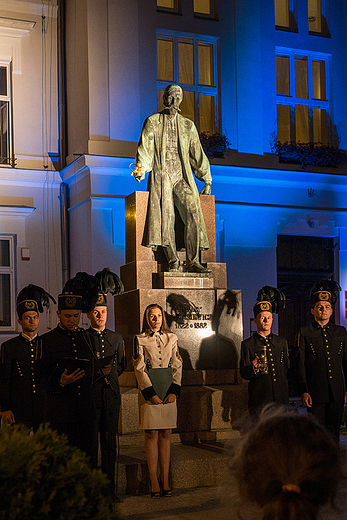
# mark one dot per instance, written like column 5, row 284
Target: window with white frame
column 190, row 61
column 7, row 283
column 302, row 96
column 5, row 114
column 317, row 20
column 285, row 15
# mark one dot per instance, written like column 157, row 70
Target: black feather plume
column 109, row 282
column 36, row 293
column 86, row 286
column 326, row 285
column 273, row 295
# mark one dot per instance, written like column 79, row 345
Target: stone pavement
column 204, row 465
column 203, row 504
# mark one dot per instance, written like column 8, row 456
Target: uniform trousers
column 79, row 434
column 106, row 424
column 329, row 415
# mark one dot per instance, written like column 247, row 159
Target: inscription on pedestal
column 207, row 326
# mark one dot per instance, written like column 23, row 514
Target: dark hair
column 289, row 466
column 145, row 323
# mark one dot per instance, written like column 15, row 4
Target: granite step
column 192, row 465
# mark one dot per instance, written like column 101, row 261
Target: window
column 285, row 15
column 190, row 61
column 7, row 290
column 302, row 97
column 5, row 114
column 206, row 9
column 170, row 6
column 317, row 22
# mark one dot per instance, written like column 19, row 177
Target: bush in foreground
column 42, row 478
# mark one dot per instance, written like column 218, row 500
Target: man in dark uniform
column 21, row 396
column 264, row 362
column 109, row 348
column 322, row 360
column 68, row 368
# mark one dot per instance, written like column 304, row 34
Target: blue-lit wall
column 256, row 198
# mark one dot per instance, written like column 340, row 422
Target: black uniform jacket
column 104, row 344
column 73, row 402
column 266, row 388
column 19, row 390
column 322, row 362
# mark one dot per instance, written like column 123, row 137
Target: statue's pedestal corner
column 219, row 273
column 138, row 274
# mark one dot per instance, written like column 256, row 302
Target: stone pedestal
column 205, row 315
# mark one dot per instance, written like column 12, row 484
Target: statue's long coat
column 151, row 154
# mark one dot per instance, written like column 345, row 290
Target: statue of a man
column 170, row 148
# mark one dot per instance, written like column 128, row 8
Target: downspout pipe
column 64, row 226
column 62, row 84
column 64, row 214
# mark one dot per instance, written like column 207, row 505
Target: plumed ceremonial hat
column 79, row 293
column 109, row 282
column 324, row 291
column 269, row 299
column 32, row 298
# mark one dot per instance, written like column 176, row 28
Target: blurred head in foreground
column 287, row 465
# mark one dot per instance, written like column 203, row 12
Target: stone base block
column 129, row 412
column 138, row 274
column 200, row 409
column 211, row 377
column 219, row 273
column 210, row 408
column 181, row 280
column 135, row 218
column 128, row 378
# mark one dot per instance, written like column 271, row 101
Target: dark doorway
column 301, row 261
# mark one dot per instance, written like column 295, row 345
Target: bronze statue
column 170, row 149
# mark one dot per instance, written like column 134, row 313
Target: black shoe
column 196, row 267
column 155, row 494
column 167, row 492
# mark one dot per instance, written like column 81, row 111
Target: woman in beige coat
column 156, row 348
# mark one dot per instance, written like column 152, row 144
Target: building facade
column 84, row 75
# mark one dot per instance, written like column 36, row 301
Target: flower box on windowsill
column 214, row 145
column 309, row 154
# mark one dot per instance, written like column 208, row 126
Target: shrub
column 43, row 478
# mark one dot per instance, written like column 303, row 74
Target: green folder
column 161, row 379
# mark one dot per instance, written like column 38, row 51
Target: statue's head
column 173, row 95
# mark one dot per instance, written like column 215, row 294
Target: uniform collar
column 317, row 326
column 261, row 338
column 97, row 331
column 27, row 337
column 67, row 332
